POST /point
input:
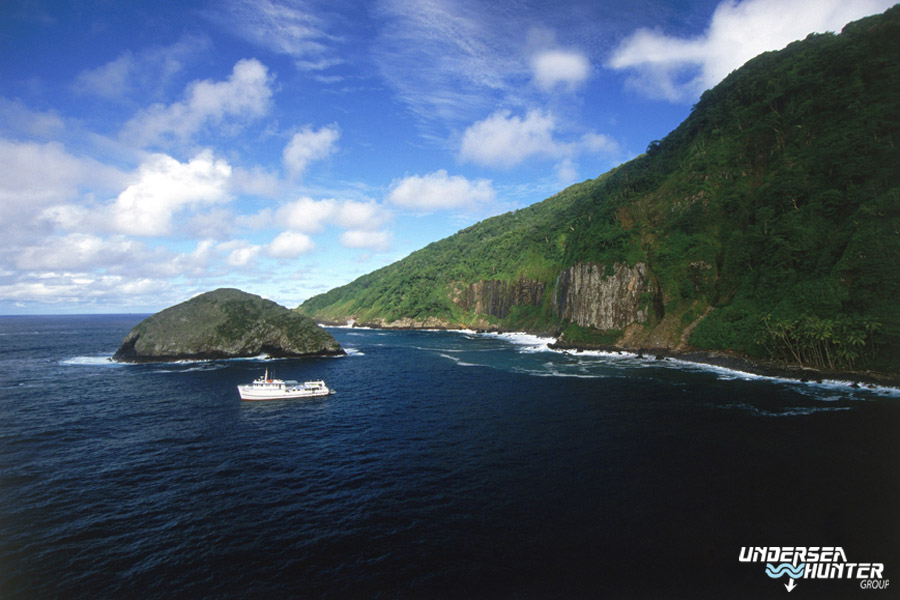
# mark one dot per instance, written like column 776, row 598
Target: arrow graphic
column 790, row 585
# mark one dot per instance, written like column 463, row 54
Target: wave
column 796, row 411
column 458, row 361
column 354, row 351
column 91, row 361
column 792, row 571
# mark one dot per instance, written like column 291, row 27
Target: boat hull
column 255, row 395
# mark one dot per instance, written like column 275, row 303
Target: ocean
column 447, row 465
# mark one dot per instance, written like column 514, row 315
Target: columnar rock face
column 587, row 295
column 225, row 323
column 497, row 298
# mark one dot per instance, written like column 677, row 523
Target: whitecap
column 90, row 361
column 458, row 360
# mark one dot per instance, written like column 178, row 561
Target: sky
column 154, row 150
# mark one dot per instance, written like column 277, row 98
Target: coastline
column 738, row 362
column 716, row 358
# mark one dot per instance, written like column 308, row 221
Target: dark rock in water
column 225, row 323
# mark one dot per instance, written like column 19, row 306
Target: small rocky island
column 225, row 323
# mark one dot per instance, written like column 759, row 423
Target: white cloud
column 504, row 140
column 290, row 244
column 147, row 72
column 240, row 254
column 255, row 181
column 597, row 142
column 446, row 59
column 306, row 215
column 439, row 191
column 79, row 289
column 112, row 80
column 165, row 187
column 308, row 145
column 566, row 172
column 76, row 251
column 679, row 69
column 361, row 215
column 17, row 117
column 39, row 173
column 368, row 240
column 42, row 180
column 553, row 68
column 243, row 96
column 297, row 28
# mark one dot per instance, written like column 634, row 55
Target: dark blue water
column 447, row 465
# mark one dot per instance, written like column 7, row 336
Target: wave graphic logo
column 794, row 572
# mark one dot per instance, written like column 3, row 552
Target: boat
column 265, row 388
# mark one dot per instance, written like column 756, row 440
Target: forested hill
column 767, row 223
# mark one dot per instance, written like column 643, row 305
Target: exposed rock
column 497, row 298
column 225, row 323
column 587, row 295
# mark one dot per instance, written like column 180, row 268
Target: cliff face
column 590, row 297
column 225, row 323
column 497, row 298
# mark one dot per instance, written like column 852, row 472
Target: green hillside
column 767, row 223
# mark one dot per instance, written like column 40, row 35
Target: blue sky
column 150, row 151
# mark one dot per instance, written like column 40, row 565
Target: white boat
column 264, row 388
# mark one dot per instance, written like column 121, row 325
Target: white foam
column 354, row 351
column 457, row 360
column 527, row 342
column 90, row 361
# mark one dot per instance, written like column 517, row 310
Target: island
column 225, row 323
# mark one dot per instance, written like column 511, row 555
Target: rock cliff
column 225, row 323
column 497, row 298
column 588, row 295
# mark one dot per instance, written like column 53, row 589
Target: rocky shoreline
column 724, row 359
column 737, row 362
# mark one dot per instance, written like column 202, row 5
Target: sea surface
column 448, row 465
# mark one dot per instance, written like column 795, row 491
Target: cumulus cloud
column 505, row 140
column 290, row 244
column 164, row 188
column 308, row 145
column 679, row 69
column 239, row 253
column 245, row 95
column 440, row 191
column 365, row 216
column 40, row 176
column 307, row 215
column 553, row 68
